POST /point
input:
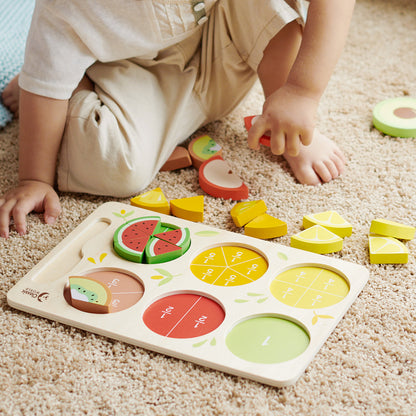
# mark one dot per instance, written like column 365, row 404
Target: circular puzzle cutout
column 105, row 291
column 267, row 340
column 309, row 287
column 184, row 315
column 229, row 266
column 396, row 117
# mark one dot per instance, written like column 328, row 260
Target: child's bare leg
column 10, row 96
column 322, row 160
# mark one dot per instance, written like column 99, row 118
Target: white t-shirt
column 67, row 36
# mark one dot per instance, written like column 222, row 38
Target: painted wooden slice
column 202, row 149
column 244, row 212
column 217, row 179
column 317, row 239
column 153, row 200
column 180, row 158
column 331, row 220
column 265, row 226
column 394, row 229
column 387, row 250
column 191, row 209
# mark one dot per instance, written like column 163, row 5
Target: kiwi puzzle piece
column 191, row 208
column 203, row 148
column 218, row 180
column 396, row 116
column 266, row 227
column 245, row 211
column 230, row 302
column 330, row 220
column 248, row 122
column 153, row 200
column 317, row 239
column 387, row 250
column 180, row 158
column 394, row 229
column 89, row 295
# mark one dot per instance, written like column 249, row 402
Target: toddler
column 109, row 88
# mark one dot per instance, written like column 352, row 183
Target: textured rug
column 368, row 364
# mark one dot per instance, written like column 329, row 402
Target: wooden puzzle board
column 237, row 304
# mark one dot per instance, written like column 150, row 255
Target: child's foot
column 319, row 162
column 10, row 96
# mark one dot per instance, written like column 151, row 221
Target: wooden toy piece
column 244, row 212
column 265, row 226
column 180, row 158
column 160, row 251
column 217, row 179
column 131, row 238
column 178, row 236
column 317, row 239
column 203, row 148
column 89, row 295
column 154, row 200
column 191, row 209
column 396, row 117
column 248, row 122
column 394, row 229
column 331, row 220
column 387, row 250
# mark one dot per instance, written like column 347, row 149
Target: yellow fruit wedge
column 191, row 209
column 387, row 250
column 265, row 226
column 317, row 239
column 331, row 220
column 154, row 200
column 244, row 212
column 389, row 228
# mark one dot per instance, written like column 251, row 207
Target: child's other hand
column 28, row 196
column 289, row 117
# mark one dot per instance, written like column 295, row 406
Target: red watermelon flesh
column 137, row 244
column 160, row 251
column 147, row 226
column 172, row 236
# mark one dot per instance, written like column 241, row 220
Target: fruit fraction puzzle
column 245, row 306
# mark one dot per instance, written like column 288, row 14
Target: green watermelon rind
column 126, row 252
column 152, row 257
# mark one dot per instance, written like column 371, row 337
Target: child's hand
column 28, row 196
column 289, row 117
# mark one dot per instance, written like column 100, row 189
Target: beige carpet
column 368, row 364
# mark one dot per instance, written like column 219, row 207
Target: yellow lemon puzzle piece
column 191, row 209
column 387, row 250
column 154, row 200
column 389, row 228
column 244, row 212
column 317, row 239
column 331, row 220
column 265, row 226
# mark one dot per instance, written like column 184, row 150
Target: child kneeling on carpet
column 109, row 89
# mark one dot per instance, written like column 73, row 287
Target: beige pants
column 117, row 138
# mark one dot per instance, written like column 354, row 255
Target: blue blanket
column 15, row 17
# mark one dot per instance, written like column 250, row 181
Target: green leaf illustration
column 199, row 344
column 206, row 233
column 164, row 272
column 118, row 215
column 254, row 294
column 164, row 281
column 213, row 342
column 240, row 300
column 262, row 300
column 282, row 256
